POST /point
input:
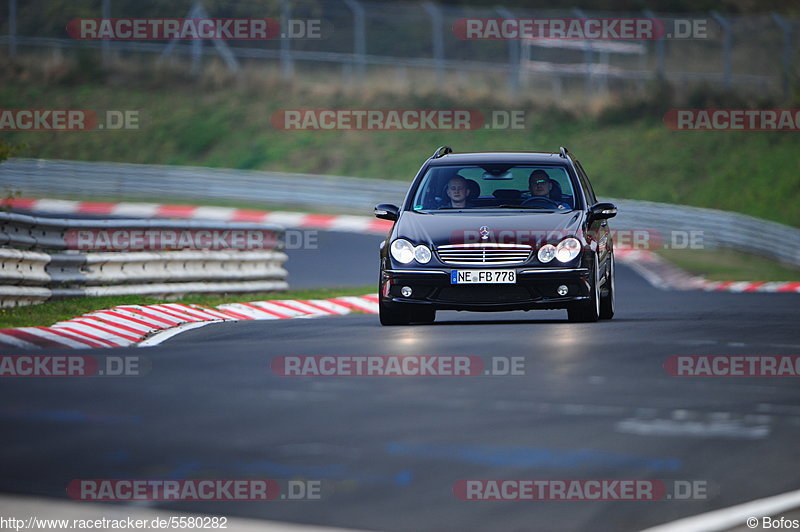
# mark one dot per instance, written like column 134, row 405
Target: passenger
column 458, row 192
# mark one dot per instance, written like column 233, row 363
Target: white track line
column 163, row 336
column 734, row 516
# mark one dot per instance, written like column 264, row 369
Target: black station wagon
column 497, row 232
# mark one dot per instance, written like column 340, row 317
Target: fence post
column 787, row 51
column 359, row 38
column 221, row 46
column 438, row 38
column 106, row 44
column 727, row 45
column 660, row 69
column 513, row 57
column 287, row 68
column 587, row 55
column 197, row 44
column 197, row 53
column 12, row 28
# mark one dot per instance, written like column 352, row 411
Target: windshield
column 496, row 186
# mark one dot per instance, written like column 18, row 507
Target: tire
column 608, row 302
column 392, row 316
column 588, row 311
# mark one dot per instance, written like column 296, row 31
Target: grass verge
column 730, row 265
column 627, row 151
column 51, row 312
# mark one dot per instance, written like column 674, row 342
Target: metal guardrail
column 716, row 228
column 22, row 231
column 86, row 179
column 46, row 269
column 189, row 183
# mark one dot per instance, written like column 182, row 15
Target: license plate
column 483, row 277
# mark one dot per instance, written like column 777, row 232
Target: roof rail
column 563, row 152
column 441, row 151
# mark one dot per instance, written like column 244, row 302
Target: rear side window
column 587, row 185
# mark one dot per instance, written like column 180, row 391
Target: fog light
column 406, row 291
column 562, row 290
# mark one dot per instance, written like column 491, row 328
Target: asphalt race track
column 594, row 403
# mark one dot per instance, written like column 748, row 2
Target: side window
column 587, row 186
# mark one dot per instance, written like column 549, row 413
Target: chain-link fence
column 406, row 44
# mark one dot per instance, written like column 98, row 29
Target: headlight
column 568, row 249
column 422, row 254
column 546, row 253
column 402, row 251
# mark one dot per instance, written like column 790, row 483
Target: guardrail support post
column 359, row 39
column 727, row 46
column 513, row 57
column 438, row 39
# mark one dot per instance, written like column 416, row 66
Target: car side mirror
column 603, row 211
column 387, row 211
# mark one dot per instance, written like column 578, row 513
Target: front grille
column 484, row 254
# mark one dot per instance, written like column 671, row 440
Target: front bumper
column 535, row 288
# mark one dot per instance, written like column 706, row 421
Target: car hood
column 456, row 228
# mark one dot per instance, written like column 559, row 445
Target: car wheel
column 588, row 310
column 392, row 316
column 608, row 301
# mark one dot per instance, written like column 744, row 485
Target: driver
column 457, row 192
column 540, row 185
